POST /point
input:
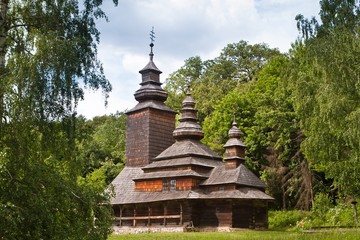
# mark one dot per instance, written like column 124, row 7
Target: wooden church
column 171, row 179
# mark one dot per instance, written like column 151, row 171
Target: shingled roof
column 125, row 193
column 240, row 176
column 183, row 161
column 188, row 147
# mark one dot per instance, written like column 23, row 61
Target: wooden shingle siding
column 161, row 126
column 137, row 132
column 186, row 184
column 148, row 133
column 149, row 185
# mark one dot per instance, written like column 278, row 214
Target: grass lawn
column 342, row 234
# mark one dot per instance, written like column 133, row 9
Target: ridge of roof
column 240, row 176
column 188, row 147
column 169, row 174
column 183, row 161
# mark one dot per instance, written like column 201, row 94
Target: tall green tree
column 211, row 80
column 102, row 147
column 265, row 113
column 48, row 54
column 325, row 79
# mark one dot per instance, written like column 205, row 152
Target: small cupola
column 234, row 148
column 189, row 128
column 150, row 85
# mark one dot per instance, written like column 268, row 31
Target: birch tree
column 48, row 54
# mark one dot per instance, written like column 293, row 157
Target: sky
column 183, row 29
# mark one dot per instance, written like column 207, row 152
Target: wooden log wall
column 214, row 213
column 197, row 213
column 243, row 214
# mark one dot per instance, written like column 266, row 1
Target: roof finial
column 152, row 39
column 234, row 121
column 152, row 35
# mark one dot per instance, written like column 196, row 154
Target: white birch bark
column 3, row 31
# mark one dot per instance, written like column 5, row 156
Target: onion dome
column 234, row 148
column 234, row 137
column 189, row 128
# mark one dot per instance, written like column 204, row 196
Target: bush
column 282, row 220
column 322, row 206
column 341, row 215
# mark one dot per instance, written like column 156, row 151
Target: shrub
column 322, row 206
column 282, row 220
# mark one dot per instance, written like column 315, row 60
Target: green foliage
column 341, row 215
column 212, row 80
column 324, row 79
column 41, row 197
column 48, row 54
column 102, row 146
column 327, row 215
column 334, row 14
column 322, row 205
column 265, row 113
column 179, row 82
column 283, row 220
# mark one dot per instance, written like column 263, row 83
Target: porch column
column 149, row 211
column 134, row 220
column 181, row 214
column 121, row 210
column 165, row 213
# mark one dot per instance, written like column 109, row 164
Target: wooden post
column 165, row 213
column 149, row 211
column 134, row 220
column 121, row 209
column 354, row 202
column 181, row 214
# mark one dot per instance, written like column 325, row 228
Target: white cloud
column 184, row 28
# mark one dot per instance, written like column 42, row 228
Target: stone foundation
column 135, row 230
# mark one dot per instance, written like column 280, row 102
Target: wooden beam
column 165, row 212
column 181, row 214
column 134, row 219
column 147, row 217
column 121, row 209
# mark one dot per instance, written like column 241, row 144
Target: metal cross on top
column 152, row 35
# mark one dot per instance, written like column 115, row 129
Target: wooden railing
column 149, row 217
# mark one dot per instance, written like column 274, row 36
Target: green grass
column 342, row 234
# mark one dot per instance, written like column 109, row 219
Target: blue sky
column 183, row 29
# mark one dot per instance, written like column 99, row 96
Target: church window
column 165, row 185
column 172, row 184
